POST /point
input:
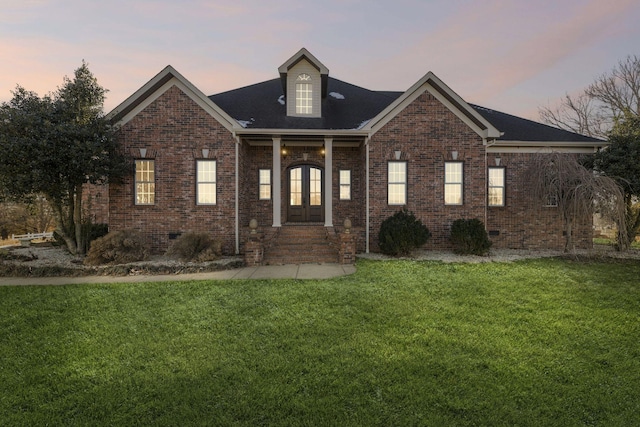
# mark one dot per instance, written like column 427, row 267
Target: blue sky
column 509, row 55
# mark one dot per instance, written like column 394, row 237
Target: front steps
column 302, row 244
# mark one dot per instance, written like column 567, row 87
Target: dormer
column 304, row 83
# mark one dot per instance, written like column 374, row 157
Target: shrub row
column 126, row 246
column 403, row 232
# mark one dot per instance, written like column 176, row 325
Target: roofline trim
column 436, row 87
column 581, row 147
column 156, row 87
column 297, row 57
column 507, row 143
column 304, row 132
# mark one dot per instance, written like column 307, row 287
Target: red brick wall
column 525, row 223
column 174, row 130
column 426, row 133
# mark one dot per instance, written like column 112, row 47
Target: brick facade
column 174, row 130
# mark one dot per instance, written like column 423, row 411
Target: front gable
column 435, row 87
column 158, row 86
column 304, row 70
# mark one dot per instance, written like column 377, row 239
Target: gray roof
column 262, row 106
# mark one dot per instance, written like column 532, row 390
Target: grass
column 611, row 242
column 400, row 343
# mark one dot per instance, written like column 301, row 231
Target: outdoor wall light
column 284, row 151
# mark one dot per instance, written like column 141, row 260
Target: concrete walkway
column 290, row 271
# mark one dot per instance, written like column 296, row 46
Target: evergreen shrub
column 401, row 233
column 469, row 237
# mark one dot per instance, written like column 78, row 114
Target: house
column 308, row 149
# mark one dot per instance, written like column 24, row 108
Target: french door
column 305, row 201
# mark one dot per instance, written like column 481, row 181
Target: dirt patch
column 48, row 261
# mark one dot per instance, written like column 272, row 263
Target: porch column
column 276, row 182
column 328, row 184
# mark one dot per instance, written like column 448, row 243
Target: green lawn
column 400, row 343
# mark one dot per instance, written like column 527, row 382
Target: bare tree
column 619, row 91
column 577, row 191
column 594, row 111
column 580, row 114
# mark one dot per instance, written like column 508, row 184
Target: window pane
column 145, row 193
column 345, row 177
column 207, row 194
column 345, row 192
column 345, row 185
column 265, row 184
column 206, row 182
column 144, row 182
column 453, row 194
column 496, row 177
column 206, row 171
column 304, row 97
column 496, row 196
column 496, row 187
column 295, row 187
column 315, row 187
column 453, row 172
column 453, row 179
column 397, row 186
column 397, row 194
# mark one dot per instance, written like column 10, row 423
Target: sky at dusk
column 509, row 55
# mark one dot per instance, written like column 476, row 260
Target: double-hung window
column 345, row 184
column 265, row 184
column 304, row 94
column 145, row 188
column 496, row 186
column 397, row 183
column 206, row 182
column 453, row 179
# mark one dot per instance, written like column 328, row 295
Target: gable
column 158, row 86
column 434, row 86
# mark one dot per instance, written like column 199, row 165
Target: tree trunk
column 77, row 220
column 63, row 226
column 568, row 246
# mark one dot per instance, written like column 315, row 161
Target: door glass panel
column 315, row 187
column 295, row 186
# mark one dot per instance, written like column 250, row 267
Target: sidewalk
column 290, row 271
